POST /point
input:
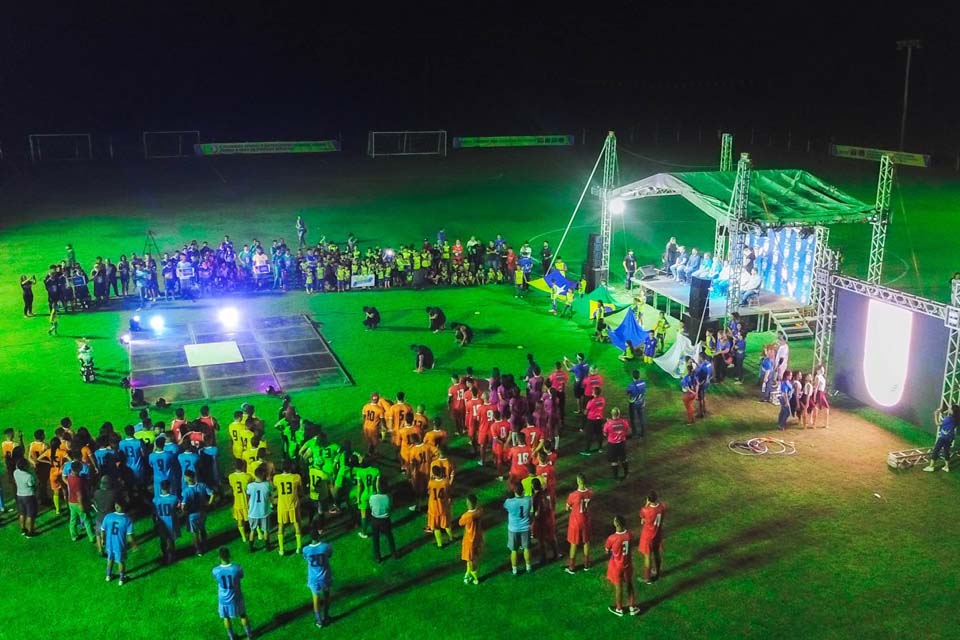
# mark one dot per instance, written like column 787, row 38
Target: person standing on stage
column 670, row 253
column 945, row 434
column 630, row 268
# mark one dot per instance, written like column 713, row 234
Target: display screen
column 889, row 357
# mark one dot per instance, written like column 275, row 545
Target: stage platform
column 666, row 294
column 285, row 352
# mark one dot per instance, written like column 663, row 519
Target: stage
column 677, row 294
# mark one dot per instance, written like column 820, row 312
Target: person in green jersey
column 365, row 476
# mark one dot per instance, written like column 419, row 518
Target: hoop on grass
column 762, row 446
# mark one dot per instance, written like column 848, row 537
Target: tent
column 629, row 329
column 778, row 197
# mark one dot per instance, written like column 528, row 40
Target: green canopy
column 778, row 197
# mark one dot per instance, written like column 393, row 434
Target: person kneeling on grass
column 945, row 434
column 463, row 333
column 371, row 317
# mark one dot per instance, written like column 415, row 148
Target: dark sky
column 277, row 69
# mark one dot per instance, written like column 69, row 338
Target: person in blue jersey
column 230, row 594
column 209, row 467
column 739, row 352
column 194, row 500
column 167, row 522
column 688, row 388
column 704, row 373
column 189, row 461
column 649, row 348
column 519, row 510
column 580, row 369
column 162, row 463
column 319, row 577
column 117, row 529
column 104, row 455
column 132, row 449
column 637, row 397
column 945, row 434
column 786, row 395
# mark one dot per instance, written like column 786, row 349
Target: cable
column 667, row 164
column 577, row 208
column 760, row 446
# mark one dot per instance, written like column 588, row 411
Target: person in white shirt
column 749, row 285
column 782, row 359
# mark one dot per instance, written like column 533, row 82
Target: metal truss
column 611, row 171
column 736, row 229
column 881, row 219
column 891, row 296
column 822, row 244
column 726, row 152
column 950, row 394
column 824, row 298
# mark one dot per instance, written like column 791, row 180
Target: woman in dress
column 820, row 397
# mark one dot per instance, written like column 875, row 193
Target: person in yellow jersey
column 245, row 437
column 560, row 266
column 288, row 487
column 372, row 414
column 233, row 430
column 251, row 452
column 396, row 417
column 238, row 481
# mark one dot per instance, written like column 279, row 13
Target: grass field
column 766, row 547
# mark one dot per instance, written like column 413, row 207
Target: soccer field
column 828, row 543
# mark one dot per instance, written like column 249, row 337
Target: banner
column 864, row 153
column 513, row 141
column 232, row 148
column 363, row 282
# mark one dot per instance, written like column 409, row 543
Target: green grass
column 769, row 547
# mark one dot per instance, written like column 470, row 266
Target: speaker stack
column 592, row 266
column 698, row 309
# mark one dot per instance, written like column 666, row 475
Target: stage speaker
column 699, row 303
column 594, row 250
column 590, row 275
column 648, row 272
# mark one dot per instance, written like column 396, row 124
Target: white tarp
column 674, row 360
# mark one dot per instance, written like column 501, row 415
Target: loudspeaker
column 590, row 275
column 594, row 250
column 647, row 272
column 699, row 303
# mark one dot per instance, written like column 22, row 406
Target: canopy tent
column 778, row 197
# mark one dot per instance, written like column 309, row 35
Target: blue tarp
column 629, row 329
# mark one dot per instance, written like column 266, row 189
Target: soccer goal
column 407, row 143
column 169, row 144
column 50, row 147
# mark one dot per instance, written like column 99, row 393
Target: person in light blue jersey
column 167, row 522
column 195, row 499
column 117, row 529
column 319, row 577
column 189, row 461
column 519, row 512
column 163, row 464
column 230, row 594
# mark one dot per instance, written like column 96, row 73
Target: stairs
column 792, row 324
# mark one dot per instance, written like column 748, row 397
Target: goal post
column 50, row 147
column 169, row 144
column 407, row 143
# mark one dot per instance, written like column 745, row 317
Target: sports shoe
column 412, row 507
column 586, row 567
column 108, row 578
column 946, row 467
column 122, row 580
column 929, row 467
column 475, row 580
column 466, row 579
column 570, row 571
column 362, row 535
column 585, row 453
column 633, row 611
column 615, row 611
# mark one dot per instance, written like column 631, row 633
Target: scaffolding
column 726, row 164
column 736, row 229
column 950, row 394
column 881, row 219
column 824, row 299
column 611, row 171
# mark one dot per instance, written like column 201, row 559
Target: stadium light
column 229, row 317
column 157, row 323
column 617, row 206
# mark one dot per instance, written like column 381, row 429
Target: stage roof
column 778, row 197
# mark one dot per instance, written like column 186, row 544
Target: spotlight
column 125, row 338
column 617, row 206
column 157, row 323
column 229, row 317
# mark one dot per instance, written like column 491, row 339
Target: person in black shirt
column 424, row 357
column 27, row 285
column 438, row 320
column 463, row 333
column 371, row 318
column 51, row 282
column 110, row 270
column 124, row 271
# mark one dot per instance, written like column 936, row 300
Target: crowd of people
column 200, row 270
column 683, row 266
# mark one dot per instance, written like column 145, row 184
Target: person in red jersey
column 532, row 435
column 472, row 410
column 558, row 381
column 593, row 425
column 616, row 430
column 487, row 412
column 500, row 436
column 546, row 469
column 591, row 382
column 651, row 536
column 544, row 521
column 620, row 568
column 520, row 456
column 578, row 528
column 456, row 402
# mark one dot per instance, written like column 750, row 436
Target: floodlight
column 135, row 323
column 125, row 338
column 157, row 323
column 617, row 205
column 229, row 317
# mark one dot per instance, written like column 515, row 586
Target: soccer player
column 117, row 529
column 558, row 381
column 372, row 414
column 520, row 456
column 456, row 402
column 234, row 429
column 651, row 536
column 167, row 523
column 421, row 459
column 238, row 481
column 519, row 510
column 615, row 430
column 441, row 460
column 472, row 411
column 532, row 434
column 319, row 577
column 487, row 410
column 578, row 527
column 500, row 434
column 365, row 478
column 472, row 545
column 620, row 568
column 259, row 494
column 189, row 462
column 396, row 418
column 544, row 520
column 163, row 463
column 195, row 499
column 133, row 450
column 438, row 506
column 593, row 429
column 78, row 501
column 230, row 595
column 289, row 487
column 407, row 432
column 436, row 437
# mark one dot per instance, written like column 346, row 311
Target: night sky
column 275, row 70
